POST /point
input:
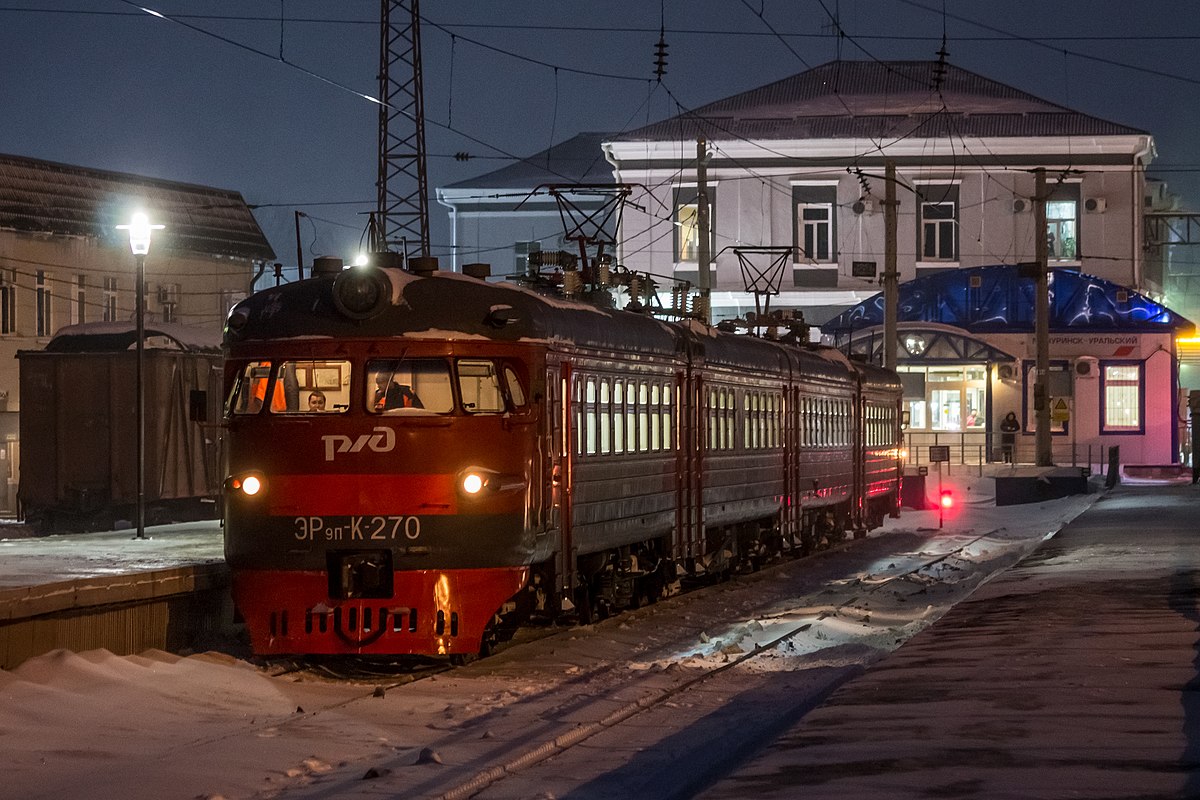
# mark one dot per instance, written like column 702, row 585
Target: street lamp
column 139, row 242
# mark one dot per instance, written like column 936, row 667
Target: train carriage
column 483, row 453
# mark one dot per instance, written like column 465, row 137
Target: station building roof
column 576, row 160
column 47, row 197
column 878, row 99
column 999, row 299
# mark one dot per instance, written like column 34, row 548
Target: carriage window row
column 880, row 427
column 614, row 416
column 826, row 422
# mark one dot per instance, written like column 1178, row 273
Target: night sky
column 207, row 99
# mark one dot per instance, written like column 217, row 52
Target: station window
column 1062, row 223
column 937, row 229
column 1121, row 391
column 8, row 301
column 687, row 222
column 945, row 397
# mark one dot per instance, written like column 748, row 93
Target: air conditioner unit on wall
column 1019, row 204
column 1087, row 367
column 1095, row 205
column 1008, row 372
column 864, row 205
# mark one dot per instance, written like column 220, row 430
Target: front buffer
column 429, row 612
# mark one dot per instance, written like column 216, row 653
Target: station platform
column 1075, row 673
column 112, row 590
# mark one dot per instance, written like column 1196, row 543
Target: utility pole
column 891, row 289
column 703, row 251
column 1041, row 398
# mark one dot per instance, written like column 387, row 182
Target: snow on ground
column 99, row 726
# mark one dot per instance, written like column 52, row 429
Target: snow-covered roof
column 109, row 337
column 874, row 99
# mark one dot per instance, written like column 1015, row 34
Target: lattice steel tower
column 402, row 211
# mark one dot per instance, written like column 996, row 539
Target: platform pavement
column 1074, row 674
column 109, row 589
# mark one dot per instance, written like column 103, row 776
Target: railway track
column 914, row 568
column 558, row 730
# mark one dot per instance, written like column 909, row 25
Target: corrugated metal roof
column 873, row 99
column 45, row 196
column 577, row 160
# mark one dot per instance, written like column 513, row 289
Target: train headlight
column 478, row 481
column 473, row 482
column 250, row 485
column 361, row 293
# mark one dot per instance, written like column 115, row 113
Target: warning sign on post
column 1060, row 410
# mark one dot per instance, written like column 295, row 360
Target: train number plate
column 357, row 528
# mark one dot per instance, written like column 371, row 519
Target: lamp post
column 139, row 243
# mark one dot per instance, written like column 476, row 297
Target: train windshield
column 426, row 385
column 409, row 385
column 249, row 392
column 295, row 387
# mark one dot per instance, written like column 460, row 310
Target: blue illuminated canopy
column 998, row 299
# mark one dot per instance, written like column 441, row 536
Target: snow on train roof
column 452, row 306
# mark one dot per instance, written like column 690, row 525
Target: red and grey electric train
column 418, row 464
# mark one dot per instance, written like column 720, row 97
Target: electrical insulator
column 635, row 287
column 572, row 282
column 660, row 56
column 603, row 270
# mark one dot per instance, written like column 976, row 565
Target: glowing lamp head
column 472, row 483
column 140, row 230
column 947, row 499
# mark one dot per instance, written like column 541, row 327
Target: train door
column 861, row 432
column 561, row 472
column 693, row 471
column 790, row 513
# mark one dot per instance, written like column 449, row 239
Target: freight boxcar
column 78, row 426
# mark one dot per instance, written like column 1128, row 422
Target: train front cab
column 396, row 519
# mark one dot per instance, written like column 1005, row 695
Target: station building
column 795, row 176
column 966, row 350
column 64, row 262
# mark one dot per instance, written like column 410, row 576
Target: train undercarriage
column 632, row 576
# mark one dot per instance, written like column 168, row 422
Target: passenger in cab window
column 316, row 400
column 389, row 394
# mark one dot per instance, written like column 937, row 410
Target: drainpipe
column 1137, row 177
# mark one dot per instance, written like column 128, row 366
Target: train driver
column 316, row 401
column 389, row 394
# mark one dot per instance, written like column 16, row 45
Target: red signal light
column 947, row 499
